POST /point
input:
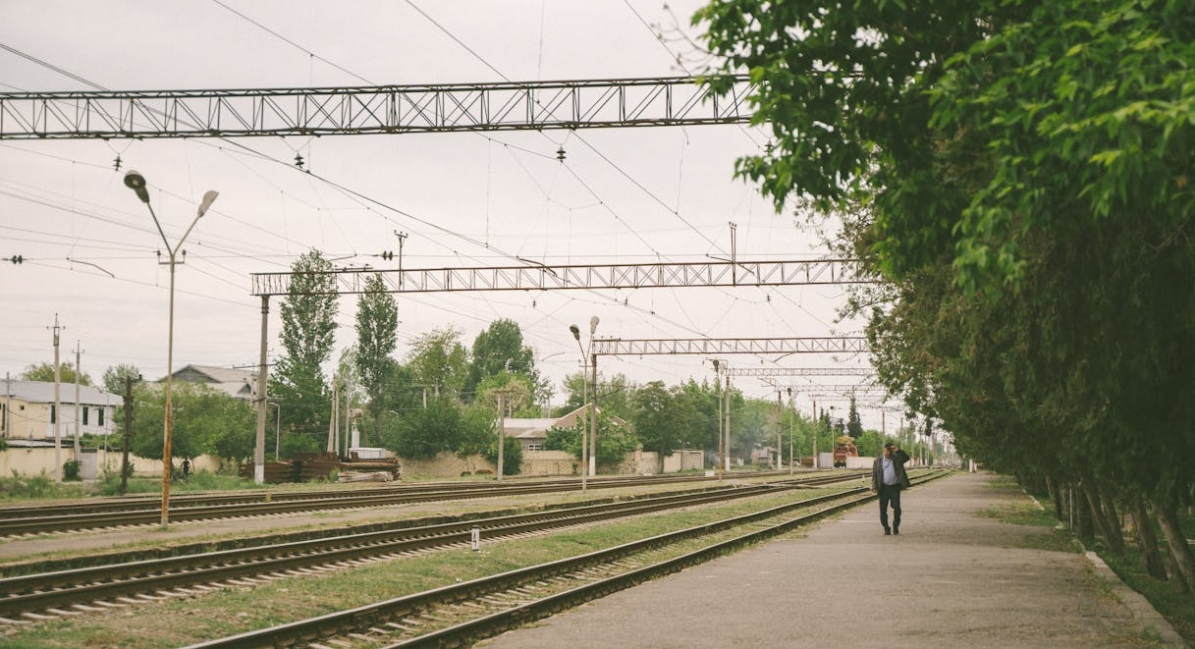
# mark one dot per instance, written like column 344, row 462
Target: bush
column 70, row 471
column 19, row 487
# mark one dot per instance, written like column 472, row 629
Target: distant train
column 844, row 447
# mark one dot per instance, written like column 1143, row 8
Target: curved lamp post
column 585, row 405
column 135, row 181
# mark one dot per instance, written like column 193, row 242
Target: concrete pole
column 57, row 409
column 726, row 431
column 816, row 429
column 77, row 372
column 594, row 418
column 259, row 446
column 501, row 434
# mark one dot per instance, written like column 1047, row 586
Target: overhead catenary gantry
column 541, row 277
column 799, row 371
column 717, row 346
column 362, row 110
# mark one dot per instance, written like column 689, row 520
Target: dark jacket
column 899, row 457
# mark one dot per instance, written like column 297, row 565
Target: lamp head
column 576, row 332
column 208, row 198
column 136, row 182
column 593, row 323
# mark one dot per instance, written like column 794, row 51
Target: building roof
column 528, row 428
column 43, row 392
column 234, row 382
column 214, row 374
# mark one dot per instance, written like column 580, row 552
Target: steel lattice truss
column 714, row 346
column 663, row 101
column 798, row 371
column 543, row 278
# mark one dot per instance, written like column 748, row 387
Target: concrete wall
column 683, row 461
column 862, row 462
column 550, row 463
column 33, row 461
column 446, row 465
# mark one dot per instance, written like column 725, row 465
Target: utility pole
column 817, row 425
column 128, row 431
column 726, row 431
column 7, row 406
column 78, row 371
column 501, row 432
column 779, row 423
column 57, row 407
column 718, row 390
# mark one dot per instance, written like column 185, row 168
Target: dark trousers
column 890, row 494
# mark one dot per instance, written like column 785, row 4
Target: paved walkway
column 951, row 579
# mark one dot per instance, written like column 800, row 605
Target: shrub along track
column 105, row 584
column 124, row 512
column 460, row 614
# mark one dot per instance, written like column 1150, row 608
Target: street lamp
column 593, row 324
column 584, row 403
column 136, row 182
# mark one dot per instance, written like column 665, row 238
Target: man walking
column 888, row 477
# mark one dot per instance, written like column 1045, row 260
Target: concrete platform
column 951, row 579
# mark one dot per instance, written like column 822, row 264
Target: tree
column 114, row 377
column 206, row 421
column 439, row 362
column 308, row 330
column 854, row 426
column 377, row 336
column 424, row 432
column 497, row 349
column 45, row 372
column 1020, row 173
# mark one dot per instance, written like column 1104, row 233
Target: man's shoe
column 887, row 531
column 896, row 530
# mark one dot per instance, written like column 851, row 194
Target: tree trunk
column 1113, row 518
column 1082, row 517
column 1180, row 552
column 1101, row 522
column 1055, row 497
column 1147, row 541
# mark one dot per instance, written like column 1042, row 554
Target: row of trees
column 1020, row 177
column 654, row 417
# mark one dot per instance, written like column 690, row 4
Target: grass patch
column 1175, row 606
column 18, row 489
column 235, row 610
column 1023, row 512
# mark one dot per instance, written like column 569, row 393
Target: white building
column 27, row 410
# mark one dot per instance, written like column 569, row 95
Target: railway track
column 460, row 614
column 102, row 514
column 44, row 594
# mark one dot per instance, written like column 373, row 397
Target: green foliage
column 20, row 487
column 377, row 337
column 478, row 430
column 870, row 443
column 439, row 362
column 512, row 455
column 422, row 433
column 206, row 421
column 45, row 372
column 500, row 349
column 308, row 329
column 114, row 377
column 70, row 471
column 516, row 392
column 613, row 441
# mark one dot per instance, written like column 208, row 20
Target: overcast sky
column 620, row 196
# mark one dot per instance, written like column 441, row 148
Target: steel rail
column 58, row 589
column 265, row 505
column 387, row 614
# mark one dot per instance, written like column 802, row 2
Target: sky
column 462, row 199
